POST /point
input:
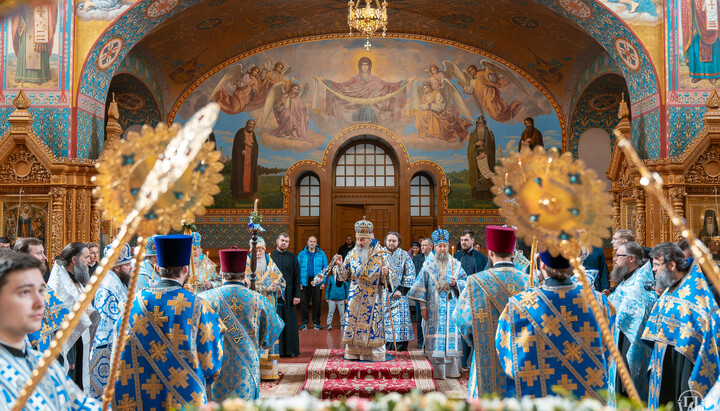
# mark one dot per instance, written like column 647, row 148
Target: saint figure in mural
column 364, row 98
column 709, row 233
column 531, row 136
column 33, row 31
column 701, row 38
column 437, row 118
column 481, row 160
column 243, row 177
column 249, row 88
column 486, row 80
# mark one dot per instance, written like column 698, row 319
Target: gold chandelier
column 369, row 19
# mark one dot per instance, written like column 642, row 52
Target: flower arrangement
column 416, row 401
column 255, row 219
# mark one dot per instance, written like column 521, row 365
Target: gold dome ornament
column 553, row 199
column 126, row 166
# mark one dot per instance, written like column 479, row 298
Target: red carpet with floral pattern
column 331, row 376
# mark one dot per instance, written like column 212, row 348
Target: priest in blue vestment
column 252, row 324
column 109, row 301
column 633, row 303
column 175, row 339
column 148, row 269
column 436, row 289
column 548, row 337
column 479, row 308
column 21, row 313
column 398, row 325
column 684, row 327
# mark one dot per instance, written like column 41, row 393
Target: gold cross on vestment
column 179, row 303
column 127, row 403
column 127, row 372
column 588, row 334
column 595, row 376
column 159, row 317
column 237, row 308
column 567, row 384
column 529, row 300
column 179, row 378
column 140, row 324
column 153, row 386
column 572, row 351
column 567, row 315
column 529, row 373
column 158, row 351
column 525, row 339
column 177, row 336
column 550, row 325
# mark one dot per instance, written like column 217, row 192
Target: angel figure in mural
column 248, row 89
column 701, row 38
column 437, row 118
column 290, row 112
column 363, row 98
column 484, row 81
column 435, row 76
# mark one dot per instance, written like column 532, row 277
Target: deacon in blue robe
column 252, row 324
column 398, row 325
column 548, row 337
column 436, row 289
column 479, row 308
column 175, row 339
column 109, row 301
column 684, row 327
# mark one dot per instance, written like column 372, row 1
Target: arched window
column 420, row 196
column 365, row 165
column 308, row 196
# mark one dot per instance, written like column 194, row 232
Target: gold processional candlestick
column 254, row 230
column 192, row 281
column 653, row 184
column 555, row 201
column 138, row 256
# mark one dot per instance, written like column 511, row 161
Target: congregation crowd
column 197, row 335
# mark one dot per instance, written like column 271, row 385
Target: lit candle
column 255, row 209
column 452, row 250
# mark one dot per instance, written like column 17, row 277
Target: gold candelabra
column 368, row 19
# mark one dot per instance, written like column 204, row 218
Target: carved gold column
column 57, row 221
column 677, row 199
column 640, row 235
column 95, row 221
column 617, row 198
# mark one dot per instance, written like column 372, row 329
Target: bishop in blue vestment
column 479, row 308
column 175, row 339
column 548, row 337
column 252, row 324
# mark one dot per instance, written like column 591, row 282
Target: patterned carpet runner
column 331, row 376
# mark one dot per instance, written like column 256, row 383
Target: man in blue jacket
column 312, row 261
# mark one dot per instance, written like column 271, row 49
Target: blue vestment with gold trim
column 633, row 304
column 547, row 336
column 685, row 319
column 364, row 328
column 442, row 336
column 56, row 391
column 252, row 323
column 477, row 315
column 174, row 349
column 397, row 318
column 55, row 313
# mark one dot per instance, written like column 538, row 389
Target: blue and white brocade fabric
column 174, row 350
column 364, row 328
column 633, row 304
column 55, row 313
column 146, row 276
column 402, row 273
column 685, row 318
column 477, row 315
column 56, row 391
column 547, row 336
column 252, row 324
column 442, row 336
column 109, row 302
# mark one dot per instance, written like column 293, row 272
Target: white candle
column 255, row 209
